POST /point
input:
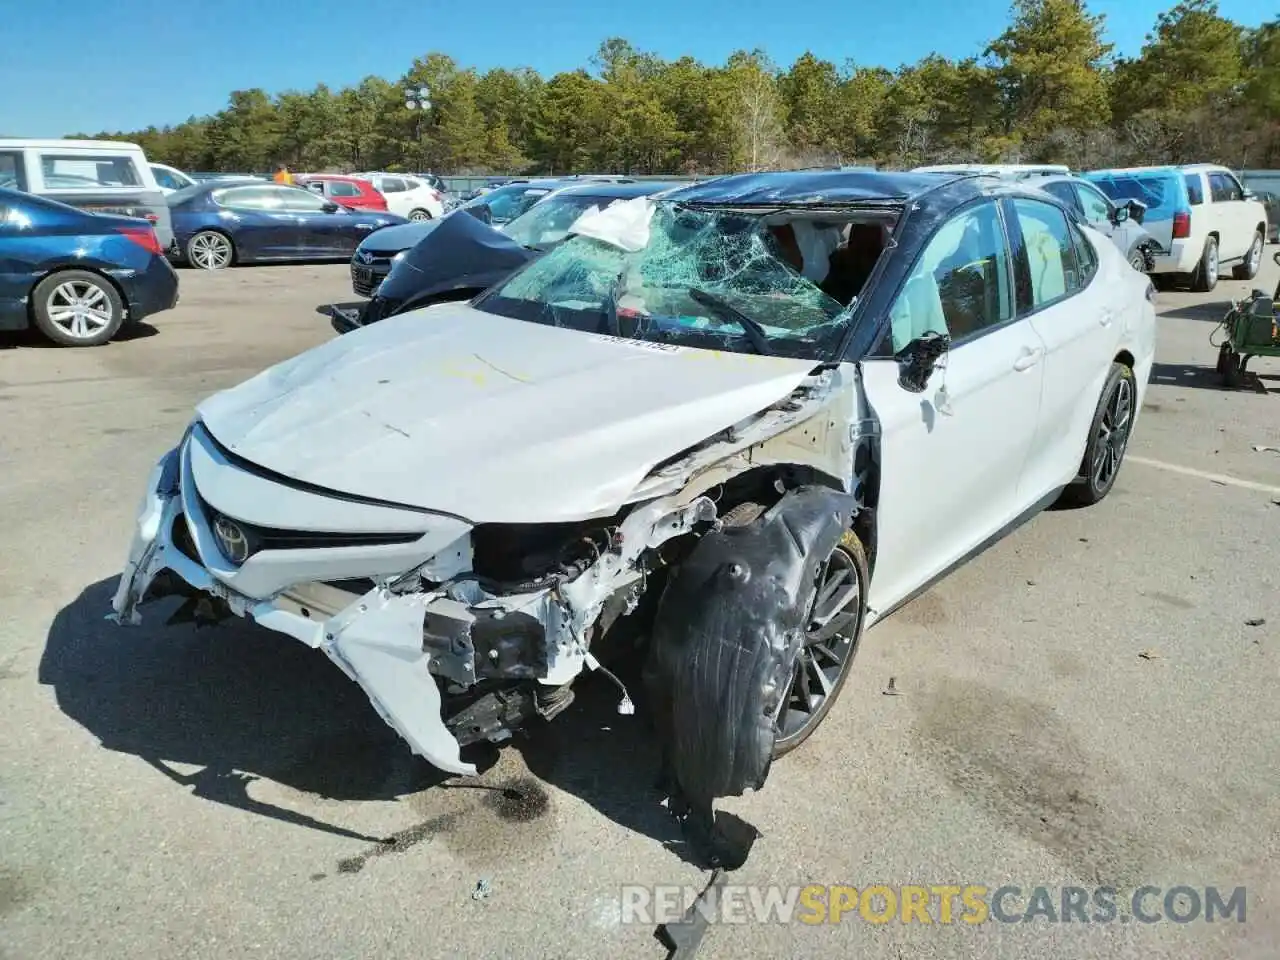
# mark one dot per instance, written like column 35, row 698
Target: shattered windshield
column 652, row 270
column 547, row 223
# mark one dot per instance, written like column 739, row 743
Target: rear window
column 1159, row 193
column 340, row 188
column 68, row 172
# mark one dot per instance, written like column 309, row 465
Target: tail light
column 144, row 237
column 1182, row 225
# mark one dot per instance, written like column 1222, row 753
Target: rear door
column 1237, row 214
column 1060, row 295
column 396, row 190
column 952, row 457
column 263, row 228
column 108, row 181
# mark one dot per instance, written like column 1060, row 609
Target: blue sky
column 85, row 65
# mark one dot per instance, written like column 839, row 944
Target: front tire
column 76, row 308
column 419, row 216
column 1252, row 260
column 837, row 612
column 1108, row 439
column 211, row 250
column 1206, row 276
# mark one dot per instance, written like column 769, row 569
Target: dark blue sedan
column 78, row 276
column 217, row 224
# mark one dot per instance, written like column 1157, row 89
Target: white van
column 102, row 176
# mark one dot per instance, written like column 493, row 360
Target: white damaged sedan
column 729, row 427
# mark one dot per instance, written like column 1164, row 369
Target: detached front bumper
column 376, row 639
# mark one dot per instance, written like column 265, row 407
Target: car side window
column 13, row 175
column 1234, row 189
column 961, row 284
column 1195, row 189
column 1223, row 188
column 1063, row 192
column 248, row 198
column 294, row 200
column 392, row 185
column 1086, row 255
column 1050, row 251
column 1096, row 207
column 340, row 188
column 166, row 179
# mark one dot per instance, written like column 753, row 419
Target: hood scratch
column 498, row 369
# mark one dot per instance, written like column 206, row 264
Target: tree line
column 1047, row 90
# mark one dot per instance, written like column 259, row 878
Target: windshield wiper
column 754, row 331
column 611, row 305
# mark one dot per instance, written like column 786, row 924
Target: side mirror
column 1119, row 215
column 482, row 212
column 917, row 360
column 1249, row 195
column 331, row 207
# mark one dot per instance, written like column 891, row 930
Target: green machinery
column 1251, row 329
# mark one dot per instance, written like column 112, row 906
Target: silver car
column 1122, row 224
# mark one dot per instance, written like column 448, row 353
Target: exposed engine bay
column 492, row 629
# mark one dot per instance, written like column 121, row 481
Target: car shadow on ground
column 12, row 340
column 1205, row 378
column 242, row 703
column 1213, row 311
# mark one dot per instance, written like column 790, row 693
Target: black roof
column 620, row 191
column 815, row 188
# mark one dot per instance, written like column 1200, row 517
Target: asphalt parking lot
column 1084, row 704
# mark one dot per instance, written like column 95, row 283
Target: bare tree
column 757, row 120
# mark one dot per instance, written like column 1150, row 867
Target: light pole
column 418, row 99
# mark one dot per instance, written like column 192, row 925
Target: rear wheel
column 419, row 216
column 1224, row 355
column 1232, row 370
column 1252, row 260
column 210, row 250
column 75, row 308
column 1137, row 261
column 1206, row 276
column 1108, row 439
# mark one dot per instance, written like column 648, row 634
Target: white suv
column 1200, row 214
column 408, row 196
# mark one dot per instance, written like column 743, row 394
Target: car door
column 397, row 193
column 1227, row 220
column 951, row 457
column 1061, row 296
column 20, row 250
column 258, row 223
column 311, row 213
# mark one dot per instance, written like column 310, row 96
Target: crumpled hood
column 492, row 419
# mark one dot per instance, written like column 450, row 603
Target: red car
column 351, row 192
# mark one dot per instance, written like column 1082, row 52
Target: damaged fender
column 726, row 635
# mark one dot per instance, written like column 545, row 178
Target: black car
column 458, row 256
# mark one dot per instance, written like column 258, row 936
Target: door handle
column 1105, row 318
column 1028, row 358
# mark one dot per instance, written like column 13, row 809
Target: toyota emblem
column 231, row 540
